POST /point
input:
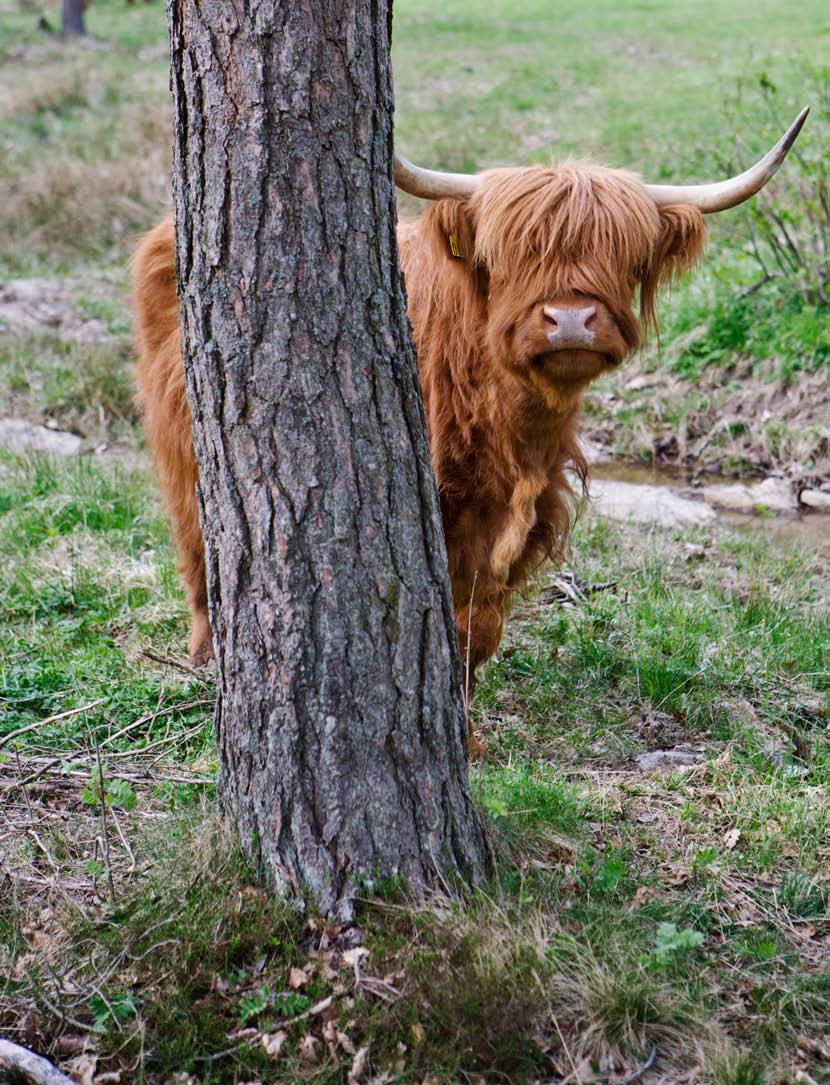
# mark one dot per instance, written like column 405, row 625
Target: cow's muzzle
column 570, row 329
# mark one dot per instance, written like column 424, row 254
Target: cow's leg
column 479, row 624
column 192, row 569
column 180, row 491
column 167, row 422
column 521, row 517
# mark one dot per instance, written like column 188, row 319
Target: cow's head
column 559, row 254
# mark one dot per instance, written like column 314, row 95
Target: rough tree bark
column 339, row 718
column 72, row 20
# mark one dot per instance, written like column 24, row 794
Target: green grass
column 685, row 909
column 89, row 583
column 633, row 908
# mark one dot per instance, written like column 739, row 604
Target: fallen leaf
column 308, row 1049
column 679, row 874
column 253, row 892
column 69, row 1044
column 360, row 1066
column 36, row 936
column 345, row 1042
column 731, row 839
column 330, row 1036
column 805, row 931
column 298, row 977
column 354, row 956
column 82, row 1068
column 273, row 1041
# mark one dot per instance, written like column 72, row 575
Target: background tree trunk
column 73, row 17
column 339, row 719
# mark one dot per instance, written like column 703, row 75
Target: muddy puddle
column 650, row 495
column 808, row 530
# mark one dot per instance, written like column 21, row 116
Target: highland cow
column 521, row 286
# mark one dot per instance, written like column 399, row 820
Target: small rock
column 18, row 435
column 667, row 759
column 774, row 494
column 647, row 504
column 816, row 499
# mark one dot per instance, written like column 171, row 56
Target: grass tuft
column 620, row 1006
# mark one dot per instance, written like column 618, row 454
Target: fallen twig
column 167, row 662
column 638, row 1073
column 171, row 740
column 150, row 717
column 568, row 588
column 103, row 799
column 33, row 1068
column 125, row 842
column 50, row 719
column 66, row 778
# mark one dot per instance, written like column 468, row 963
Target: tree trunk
column 73, row 17
column 339, row 719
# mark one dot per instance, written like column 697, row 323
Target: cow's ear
column 678, row 247
column 680, row 244
column 456, row 228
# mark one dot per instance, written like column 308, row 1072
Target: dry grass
column 618, row 1009
column 93, row 207
column 73, row 83
column 86, row 135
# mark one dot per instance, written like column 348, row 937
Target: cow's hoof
column 201, row 652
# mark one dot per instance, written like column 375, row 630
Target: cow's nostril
column 549, row 320
column 591, row 320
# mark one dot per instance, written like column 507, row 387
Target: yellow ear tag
column 454, row 249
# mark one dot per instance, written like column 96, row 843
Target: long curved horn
column 724, row 194
column 430, row 184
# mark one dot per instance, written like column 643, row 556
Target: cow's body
column 499, row 453
column 502, row 398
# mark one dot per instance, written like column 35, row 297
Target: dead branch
column 125, row 842
column 20, row 1063
column 50, row 719
column 151, row 717
column 103, row 797
column 168, row 662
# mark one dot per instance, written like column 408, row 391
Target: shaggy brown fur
column 501, row 406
